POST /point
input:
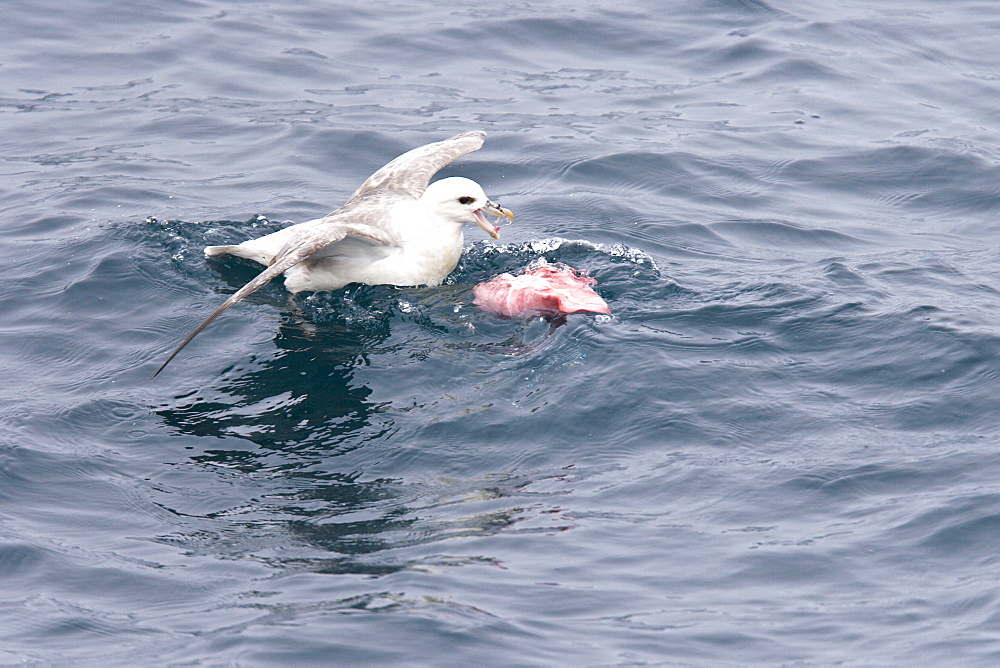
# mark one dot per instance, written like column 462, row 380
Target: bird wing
column 300, row 247
column 343, row 225
column 410, row 173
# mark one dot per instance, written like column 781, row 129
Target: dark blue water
column 781, row 449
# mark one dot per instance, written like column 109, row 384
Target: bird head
column 462, row 201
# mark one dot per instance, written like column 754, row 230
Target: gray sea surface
column 780, row 449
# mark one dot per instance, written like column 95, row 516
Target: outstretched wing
column 410, row 173
column 295, row 251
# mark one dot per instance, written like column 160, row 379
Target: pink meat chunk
column 548, row 289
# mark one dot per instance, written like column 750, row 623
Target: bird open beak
column 493, row 210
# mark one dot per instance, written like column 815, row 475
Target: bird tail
column 215, row 251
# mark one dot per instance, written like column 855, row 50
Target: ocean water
column 780, row 449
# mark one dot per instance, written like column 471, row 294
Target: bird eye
column 465, row 199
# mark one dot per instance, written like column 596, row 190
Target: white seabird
column 394, row 230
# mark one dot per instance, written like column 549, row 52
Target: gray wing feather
column 289, row 258
column 296, row 250
column 330, row 230
column 410, row 173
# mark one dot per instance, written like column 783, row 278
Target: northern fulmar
column 396, row 229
